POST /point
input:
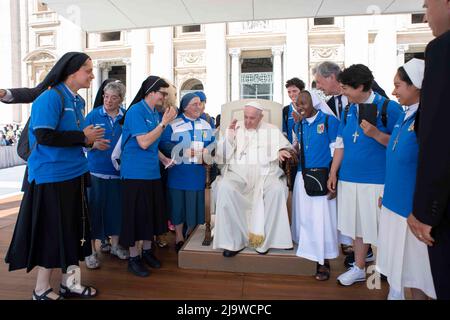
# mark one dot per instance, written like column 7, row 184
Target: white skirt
column 358, row 210
column 313, row 224
column 401, row 257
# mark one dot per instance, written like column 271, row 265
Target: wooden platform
column 173, row 283
column 194, row 255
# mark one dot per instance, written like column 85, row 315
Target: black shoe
column 346, row 249
column 350, row 259
column 178, row 246
column 229, row 254
column 150, row 259
column 137, row 267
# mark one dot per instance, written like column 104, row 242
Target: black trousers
column 440, row 258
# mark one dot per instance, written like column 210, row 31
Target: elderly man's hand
column 2, row 93
column 421, row 230
column 231, row 130
column 283, row 155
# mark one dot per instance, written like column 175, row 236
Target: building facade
column 229, row 61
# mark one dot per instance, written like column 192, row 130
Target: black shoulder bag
column 23, row 146
column 314, row 179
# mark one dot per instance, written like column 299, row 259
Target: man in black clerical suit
column 430, row 221
column 326, row 75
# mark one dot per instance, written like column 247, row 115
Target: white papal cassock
column 251, row 194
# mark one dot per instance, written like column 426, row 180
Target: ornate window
column 192, row 28
column 417, row 18
column 110, row 36
column 324, row 21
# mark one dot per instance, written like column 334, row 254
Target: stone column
column 296, row 55
column 401, row 50
column 97, row 81
column 140, row 58
column 385, row 52
column 105, row 72
column 356, row 40
column 216, row 67
column 235, row 74
column 277, row 74
column 129, row 94
column 6, row 56
column 161, row 61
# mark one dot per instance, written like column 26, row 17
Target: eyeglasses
column 164, row 94
column 112, row 98
column 150, row 88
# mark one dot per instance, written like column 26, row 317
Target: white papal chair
column 235, row 110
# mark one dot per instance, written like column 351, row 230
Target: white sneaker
column 120, row 252
column 354, row 274
column 92, row 261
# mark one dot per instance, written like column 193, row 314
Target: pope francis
column 251, row 193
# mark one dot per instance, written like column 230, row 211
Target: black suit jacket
column 26, row 95
column 332, row 104
column 431, row 199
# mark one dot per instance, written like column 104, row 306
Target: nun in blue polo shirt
column 52, row 229
column 360, row 163
column 105, row 193
column 314, row 220
column 401, row 256
column 205, row 116
column 189, row 135
column 143, row 206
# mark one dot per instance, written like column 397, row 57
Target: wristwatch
column 163, row 126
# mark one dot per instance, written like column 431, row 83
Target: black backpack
column 23, row 146
column 383, row 112
column 286, row 116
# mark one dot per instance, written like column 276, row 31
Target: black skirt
column 143, row 211
column 50, row 227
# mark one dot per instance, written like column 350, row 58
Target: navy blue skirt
column 105, row 207
column 187, row 207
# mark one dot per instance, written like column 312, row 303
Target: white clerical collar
column 71, row 92
column 120, row 113
column 189, row 118
column 313, row 118
column 411, row 110
column 371, row 98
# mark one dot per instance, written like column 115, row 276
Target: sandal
column 346, row 249
column 45, row 296
column 322, row 271
column 86, row 293
column 105, row 246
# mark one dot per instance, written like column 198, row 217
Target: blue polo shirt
column 48, row 164
column 181, row 132
column 401, row 166
column 317, row 139
column 137, row 163
column 364, row 158
column 100, row 161
column 290, row 124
